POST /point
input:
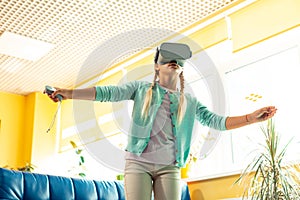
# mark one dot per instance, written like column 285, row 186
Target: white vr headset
column 172, row 52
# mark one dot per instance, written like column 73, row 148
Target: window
column 261, row 75
column 272, row 80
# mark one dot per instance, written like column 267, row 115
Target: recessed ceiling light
column 253, row 97
column 19, row 46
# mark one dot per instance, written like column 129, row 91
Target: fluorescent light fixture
column 19, row 46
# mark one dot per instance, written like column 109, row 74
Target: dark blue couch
column 33, row 186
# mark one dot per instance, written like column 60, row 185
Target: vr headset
column 172, row 53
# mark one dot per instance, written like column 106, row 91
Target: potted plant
column 27, row 168
column 186, row 170
column 192, row 161
column 267, row 177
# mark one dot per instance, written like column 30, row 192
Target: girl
column 162, row 123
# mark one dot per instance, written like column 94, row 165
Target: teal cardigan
column 140, row 128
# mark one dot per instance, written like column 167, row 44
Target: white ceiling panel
column 88, row 35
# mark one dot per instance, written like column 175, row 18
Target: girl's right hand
column 64, row 93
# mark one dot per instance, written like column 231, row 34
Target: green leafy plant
column 27, row 168
column 267, row 177
column 81, row 159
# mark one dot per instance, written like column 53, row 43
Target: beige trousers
column 141, row 178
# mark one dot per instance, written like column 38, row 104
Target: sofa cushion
column 11, row 184
column 61, row 187
column 107, row 190
column 36, row 186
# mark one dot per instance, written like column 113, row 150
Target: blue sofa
column 33, row 186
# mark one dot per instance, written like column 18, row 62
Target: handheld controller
column 49, row 90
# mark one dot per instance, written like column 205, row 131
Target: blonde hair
column 181, row 105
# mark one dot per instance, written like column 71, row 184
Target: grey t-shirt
column 161, row 146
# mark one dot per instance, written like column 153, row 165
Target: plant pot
column 185, row 171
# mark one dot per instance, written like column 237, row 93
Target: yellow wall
column 12, row 111
column 223, row 187
column 43, row 143
column 262, row 20
column 24, row 121
column 28, row 127
column 207, row 36
column 216, row 188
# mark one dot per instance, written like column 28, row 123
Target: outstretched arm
column 81, row 94
column 257, row 116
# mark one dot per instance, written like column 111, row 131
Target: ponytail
column 182, row 103
column 148, row 98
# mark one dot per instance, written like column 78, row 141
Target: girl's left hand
column 262, row 114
